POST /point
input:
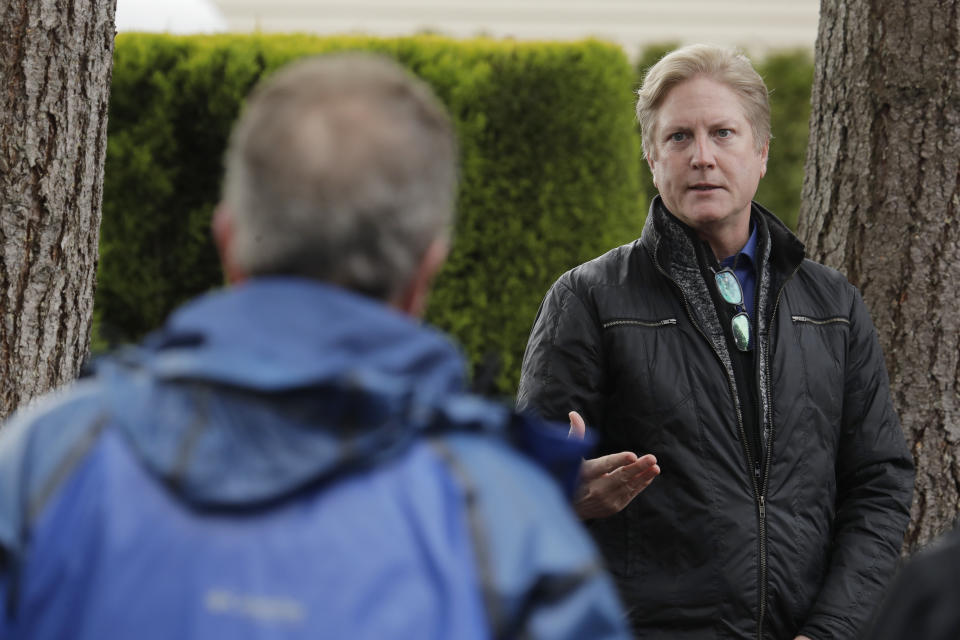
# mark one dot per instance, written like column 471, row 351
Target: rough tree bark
column 55, row 78
column 881, row 200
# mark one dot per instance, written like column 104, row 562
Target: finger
column 637, row 485
column 633, row 483
column 578, row 428
column 640, row 465
column 596, row 467
column 614, row 491
column 648, row 473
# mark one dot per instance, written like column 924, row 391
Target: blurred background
column 757, row 27
column 541, row 93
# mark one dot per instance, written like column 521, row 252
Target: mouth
column 704, row 186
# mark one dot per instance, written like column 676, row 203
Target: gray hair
column 722, row 64
column 342, row 169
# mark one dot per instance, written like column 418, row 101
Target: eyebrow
column 719, row 124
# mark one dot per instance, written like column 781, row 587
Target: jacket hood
column 276, row 334
column 254, row 392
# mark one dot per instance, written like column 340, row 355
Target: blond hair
column 721, row 64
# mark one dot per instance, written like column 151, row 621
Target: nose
column 703, row 157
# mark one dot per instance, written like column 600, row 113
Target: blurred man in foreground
column 294, row 457
column 922, row 602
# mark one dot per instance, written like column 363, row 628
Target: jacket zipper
column 640, row 323
column 766, row 463
column 759, row 495
column 824, row 321
column 732, row 388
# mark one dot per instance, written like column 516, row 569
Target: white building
column 756, row 26
column 170, row 16
column 753, row 25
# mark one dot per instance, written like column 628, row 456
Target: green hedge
column 789, row 77
column 550, row 172
column 551, row 169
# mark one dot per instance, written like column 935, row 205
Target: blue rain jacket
column 285, row 459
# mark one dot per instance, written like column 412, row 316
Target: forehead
column 700, row 99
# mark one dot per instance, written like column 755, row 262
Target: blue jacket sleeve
column 4, row 594
column 37, row 448
column 542, row 575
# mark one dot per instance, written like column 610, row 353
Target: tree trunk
column 55, row 78
column 880, row 203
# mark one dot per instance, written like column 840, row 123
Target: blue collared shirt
column 746, row 270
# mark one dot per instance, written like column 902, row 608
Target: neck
column 728, row 240
column 723, row 250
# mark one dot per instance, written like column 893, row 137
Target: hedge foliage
column 550, row 172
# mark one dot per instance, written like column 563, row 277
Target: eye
column 679, row 136
column 724, row 133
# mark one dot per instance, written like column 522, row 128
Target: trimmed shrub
column 550, row 174
column 789, row 77
column 648, row 57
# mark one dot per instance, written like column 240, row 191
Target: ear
column 223, row 235
column 653, row 169
column 413, row 299
column 764, row 153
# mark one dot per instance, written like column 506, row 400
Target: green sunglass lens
column 729, row 287
column 741, row 331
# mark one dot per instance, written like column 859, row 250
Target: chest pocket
column 647, row 376
column 823, row 348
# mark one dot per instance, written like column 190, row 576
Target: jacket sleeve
column 563, row 367
column 5, row 631
column 874, row 473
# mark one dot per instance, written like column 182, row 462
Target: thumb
column 578, row 428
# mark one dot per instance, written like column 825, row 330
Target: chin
column 698, row 218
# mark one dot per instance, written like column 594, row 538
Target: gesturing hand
column 609, row 483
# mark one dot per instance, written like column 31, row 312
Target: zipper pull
column 763, row 508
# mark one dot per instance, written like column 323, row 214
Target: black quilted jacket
column 713, row 549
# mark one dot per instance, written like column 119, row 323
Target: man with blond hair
column 295, row 456
column 751, row 375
